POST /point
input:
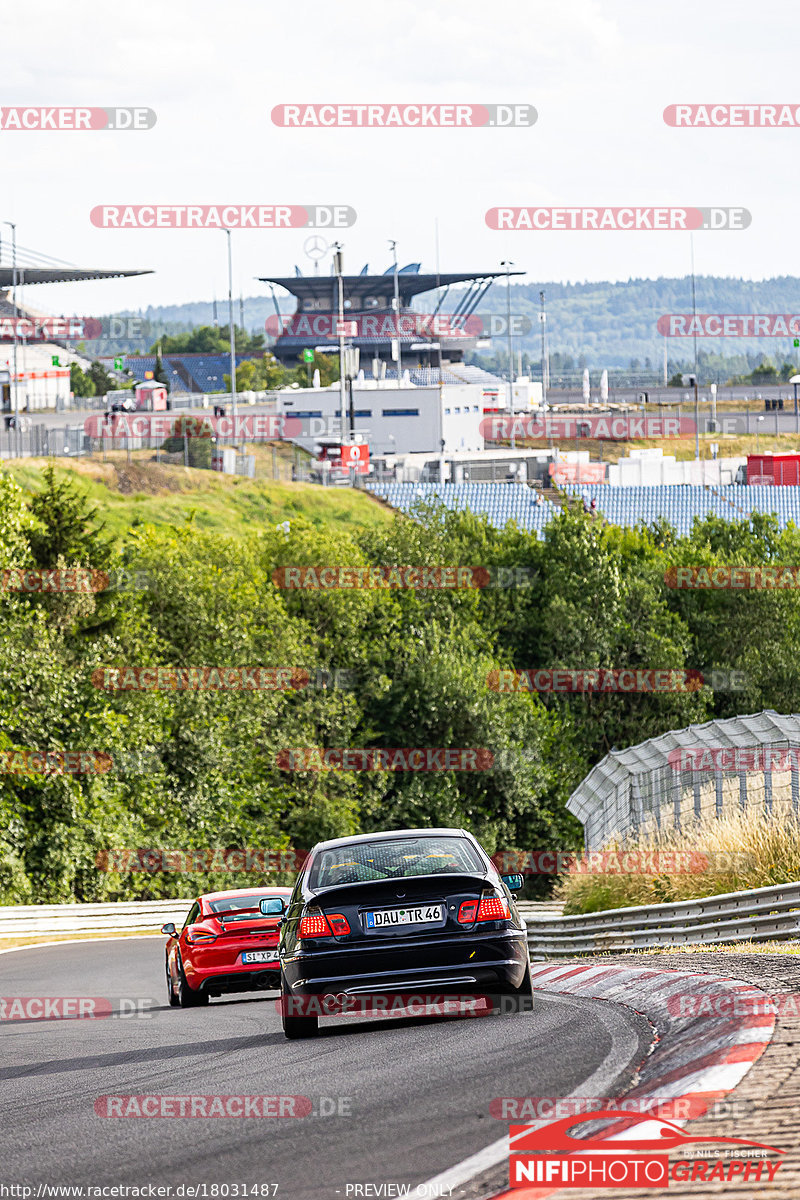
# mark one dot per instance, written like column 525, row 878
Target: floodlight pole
column 545, row 364
column 231, row 331
column 14, row 301
column 397, row 314
column 508, row 265
column 337, row 266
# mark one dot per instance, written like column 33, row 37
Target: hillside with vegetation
column 201, row 768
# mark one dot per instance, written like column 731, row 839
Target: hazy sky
column 599, row 72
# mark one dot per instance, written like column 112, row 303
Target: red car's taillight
column 199, row 937
column 488, row 908
column 314, row 925
column 339, row 924
column 493, row 908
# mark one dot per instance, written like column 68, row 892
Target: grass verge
column 733, row 853
column 167, row 495
column 31, row 939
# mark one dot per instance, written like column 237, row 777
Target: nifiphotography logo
column 550, row 1154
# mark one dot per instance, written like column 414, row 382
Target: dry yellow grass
column 743, row 850
column 13, row 943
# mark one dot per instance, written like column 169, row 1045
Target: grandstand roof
column 323, row 287
column 600, row 786
column 28, row 275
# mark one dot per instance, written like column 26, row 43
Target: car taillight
column 199, row 938
column 339, row 923
column 314, row 925
column 493, row 908
column 467, row 912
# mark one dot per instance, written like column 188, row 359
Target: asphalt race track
column 410, row 1097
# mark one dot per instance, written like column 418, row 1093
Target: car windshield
column 397, row 858
column 235, row 905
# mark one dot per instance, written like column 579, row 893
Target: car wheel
column 515, row 999
column 295, row 1027
column 187, row 996
column 173, row 999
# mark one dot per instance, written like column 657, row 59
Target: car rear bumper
column 490, row 963
column 235, row 978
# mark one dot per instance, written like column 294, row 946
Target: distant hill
column 588, row 324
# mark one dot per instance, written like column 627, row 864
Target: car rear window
column 395, row 859
column 235, row 904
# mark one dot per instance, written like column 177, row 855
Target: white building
column 393, row 420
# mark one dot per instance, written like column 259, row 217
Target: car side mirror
column 170, row 929
column 514, row 883
column 272, row 906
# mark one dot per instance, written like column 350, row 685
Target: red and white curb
column 700, row 1058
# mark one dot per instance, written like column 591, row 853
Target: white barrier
column 119, row 917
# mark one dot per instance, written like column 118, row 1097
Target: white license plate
column 426, row 914
column 254, row 956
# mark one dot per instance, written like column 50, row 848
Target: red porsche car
column 228, row 943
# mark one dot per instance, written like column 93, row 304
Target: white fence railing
column 128, row 915
column 760, row 915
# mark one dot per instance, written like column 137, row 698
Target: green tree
column 326, row 364
column 102, row 381
column 192, row 435
column 65, row 526
column 257, row 375
column 81, row 383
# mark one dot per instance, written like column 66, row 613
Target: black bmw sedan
column 410, row 911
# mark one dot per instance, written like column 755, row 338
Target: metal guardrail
column 120, row 917
column 763, row 914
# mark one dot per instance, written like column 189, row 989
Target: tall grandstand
column 206, row 372
column 39, row 382
column 369, row 301
column 678, row 504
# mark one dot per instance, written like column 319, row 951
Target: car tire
column 296, row 1027
column 187, row 996
column 522, row 997
column 173, row 999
